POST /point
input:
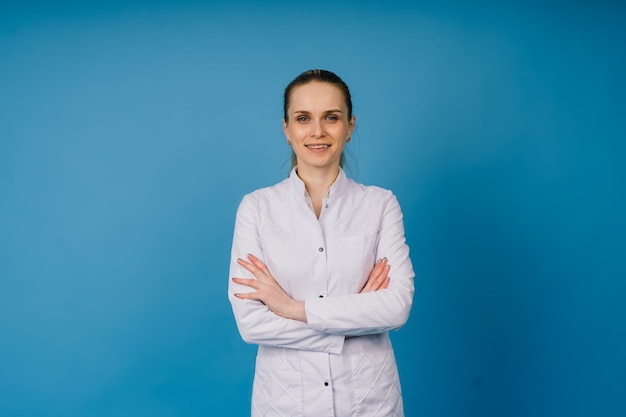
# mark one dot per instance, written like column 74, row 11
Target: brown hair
column 322, row 76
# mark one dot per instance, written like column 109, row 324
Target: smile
column 317, row 146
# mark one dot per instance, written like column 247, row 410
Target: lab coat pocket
column 353, row 257
column 277, row 384
column 376, row 383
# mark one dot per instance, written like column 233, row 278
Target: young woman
column 320, row 271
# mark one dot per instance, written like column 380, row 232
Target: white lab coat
column 341, row 362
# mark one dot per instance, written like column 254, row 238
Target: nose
column 317, row 129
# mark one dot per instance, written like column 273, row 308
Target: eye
column 302, row 119
column 332, row 118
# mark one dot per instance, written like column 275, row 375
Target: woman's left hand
column 268, row 291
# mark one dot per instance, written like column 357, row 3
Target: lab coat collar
column 336, row 191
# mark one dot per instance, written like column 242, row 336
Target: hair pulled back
column 322, row 76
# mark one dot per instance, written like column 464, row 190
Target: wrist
column 298, row 311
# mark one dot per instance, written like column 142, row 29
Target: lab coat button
column 321, row 296
column 321, row 249
column 325, row 383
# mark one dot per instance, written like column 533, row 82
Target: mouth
column 317, row 146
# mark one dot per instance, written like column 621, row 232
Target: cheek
column 288, row 134
column 297, row 133
column 343, row 132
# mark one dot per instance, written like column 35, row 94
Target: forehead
column 317, row 95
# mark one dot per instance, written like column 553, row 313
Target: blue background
column 129, row 131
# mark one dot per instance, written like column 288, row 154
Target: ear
column 352, row 125
column 285, row 132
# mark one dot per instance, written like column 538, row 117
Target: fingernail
column 379, row 260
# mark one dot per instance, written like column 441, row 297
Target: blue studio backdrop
column 130, row 130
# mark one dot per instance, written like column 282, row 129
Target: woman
column 310, row 271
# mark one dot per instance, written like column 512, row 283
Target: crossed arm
column 270, row 293
column 267, row 314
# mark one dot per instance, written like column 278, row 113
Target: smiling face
column 318, row 125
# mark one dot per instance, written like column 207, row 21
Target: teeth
column 317, row 146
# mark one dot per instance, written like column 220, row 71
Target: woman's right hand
column 379, row 277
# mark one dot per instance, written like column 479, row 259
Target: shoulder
column 273, row 194
column 372, row 193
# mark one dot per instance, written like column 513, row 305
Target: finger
column 376, row 274
column 254, row 269
column 246, row 264
column 380, row 279
column 257, row 262
column 385, row 283
column 378, row 269
column 248, row 296
column 376, row 282
column 252, row 283
column 380, row 264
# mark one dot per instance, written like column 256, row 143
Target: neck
column 318, row 181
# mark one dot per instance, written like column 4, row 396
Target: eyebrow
column 326, row 111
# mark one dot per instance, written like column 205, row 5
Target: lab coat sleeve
column 376, row 311
column 257, row 324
